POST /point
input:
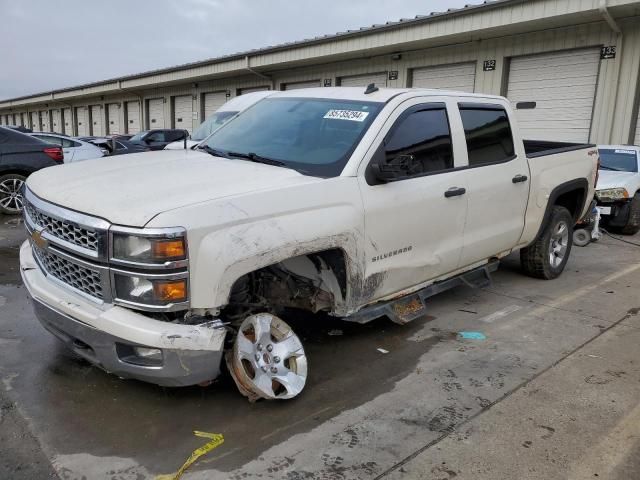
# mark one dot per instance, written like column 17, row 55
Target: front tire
column 11, row 193
column 548, row 255
column 633, row 224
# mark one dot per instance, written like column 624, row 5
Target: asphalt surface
column 551, row 392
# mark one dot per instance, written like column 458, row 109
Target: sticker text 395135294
column 351, row 115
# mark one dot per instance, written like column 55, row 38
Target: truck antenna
column 371, row 88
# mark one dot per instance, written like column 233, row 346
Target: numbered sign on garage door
column 82, row 121
column 113, row 118
column 563, row 85
column 67, row 121
column 213, row 101
column 297, row 85
column 458, row 78
column 44, row 119
column 183, row 112
column 56, row 118
column 97, row 126
column 133, row 117
column 378, row 79
column 156, row 113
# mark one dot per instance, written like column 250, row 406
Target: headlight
column 612, row 194
column 146, row 290
column 156, row 247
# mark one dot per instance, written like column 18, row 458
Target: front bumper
column 619, row 216
column 105, row 335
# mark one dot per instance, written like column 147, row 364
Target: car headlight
column 153, row 247
column 147, row 290
column 612, row 194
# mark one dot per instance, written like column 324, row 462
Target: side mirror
column 399, row 167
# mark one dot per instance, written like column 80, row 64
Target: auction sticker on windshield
column 626, row 152
column 351, row 115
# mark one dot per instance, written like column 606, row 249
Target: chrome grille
column 80, row 236
column 86, row 280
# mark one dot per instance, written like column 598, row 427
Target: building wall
column 615, row 110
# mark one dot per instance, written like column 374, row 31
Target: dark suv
column 21, row 155
column 158, row 139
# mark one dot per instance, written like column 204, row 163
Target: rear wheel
column 11, row 193
column 633, row 224
column 548, row 255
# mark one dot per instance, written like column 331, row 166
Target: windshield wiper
column 254, row 157
column 604, row 167
column 213, row 151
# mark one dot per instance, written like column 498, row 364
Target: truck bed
column 540, row 148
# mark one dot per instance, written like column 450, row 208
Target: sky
column 51, row 44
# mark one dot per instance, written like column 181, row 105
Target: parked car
column 158, row 139
column 21, row 155
column 18, row 128
column 74, row 150
column 220, row 117
column 113, row 146
column 359, row 203
column 618, row 193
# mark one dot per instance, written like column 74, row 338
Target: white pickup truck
column 360, row 203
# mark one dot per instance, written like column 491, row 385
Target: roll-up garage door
column 133, row 117
column 57, row 121
column 113, row 119
column 242, row 91
column 637, row 138
column 296, row 85
column 35, row 121
column 44, row 118
column 82, row 121
column 67, row 122
column 183, row 112
column 213, row 101
column 97, row 125
column 563, row 85
column 459, row 78
column 16, row 119
column 156, row 113
column 379, row 79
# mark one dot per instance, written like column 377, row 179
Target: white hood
column 132, row 189
column 180, row 145
column 628, row 180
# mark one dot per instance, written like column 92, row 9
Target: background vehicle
column 113, row 146
column 359, row 203
column 158, row 139
column 18, row 128
column 618, row 193
column 220, row 117
column 74, row 150
column 21, row 155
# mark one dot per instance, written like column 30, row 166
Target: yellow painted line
column 216, row 440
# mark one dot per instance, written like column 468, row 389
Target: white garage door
column 379, row 79
column 296, row 85
column 67, row 121
column 97, row 125
column 82, row 121
column 133, row 117
column 459, row 78
column 563, row 85
column 57, row 121
column 35, row 121
column 183, row 112
column 113, row 118
column 637, row 139
column 213, row 101
column 44, row 118
column 156, row 113
column 242, row 91
column 16, row 119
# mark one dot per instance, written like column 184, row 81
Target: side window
column 175, row 135
column 66, row 143
column 420, row 141
column 156, row 137
column 488, row 134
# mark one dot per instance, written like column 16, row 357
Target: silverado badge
column 39, row 240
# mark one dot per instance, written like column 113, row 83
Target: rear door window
column 488, row 134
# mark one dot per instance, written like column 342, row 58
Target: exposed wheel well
column 15, row 171
column 573, row 201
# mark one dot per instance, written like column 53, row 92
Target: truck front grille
column 84, row 279
column 74, row 234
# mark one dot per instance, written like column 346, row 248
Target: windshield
column 211, row 124
column 619, row 160
column 138, row 136
column 312, row 135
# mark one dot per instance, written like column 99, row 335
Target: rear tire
column 547, row 256
column 11, row 193
column 633, row 224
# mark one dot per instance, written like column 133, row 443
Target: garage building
column 579, row 61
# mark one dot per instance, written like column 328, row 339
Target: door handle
column 455, row 192
column 519, row 178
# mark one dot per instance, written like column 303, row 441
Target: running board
column 409, row 307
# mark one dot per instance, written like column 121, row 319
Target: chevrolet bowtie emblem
column 39, row 240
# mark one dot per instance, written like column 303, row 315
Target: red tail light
column 55, row 153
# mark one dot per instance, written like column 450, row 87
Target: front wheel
column 548, row 255
column 11, row 193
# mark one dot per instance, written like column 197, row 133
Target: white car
column 219, row 118
column 618, row 193
column 74, row 150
